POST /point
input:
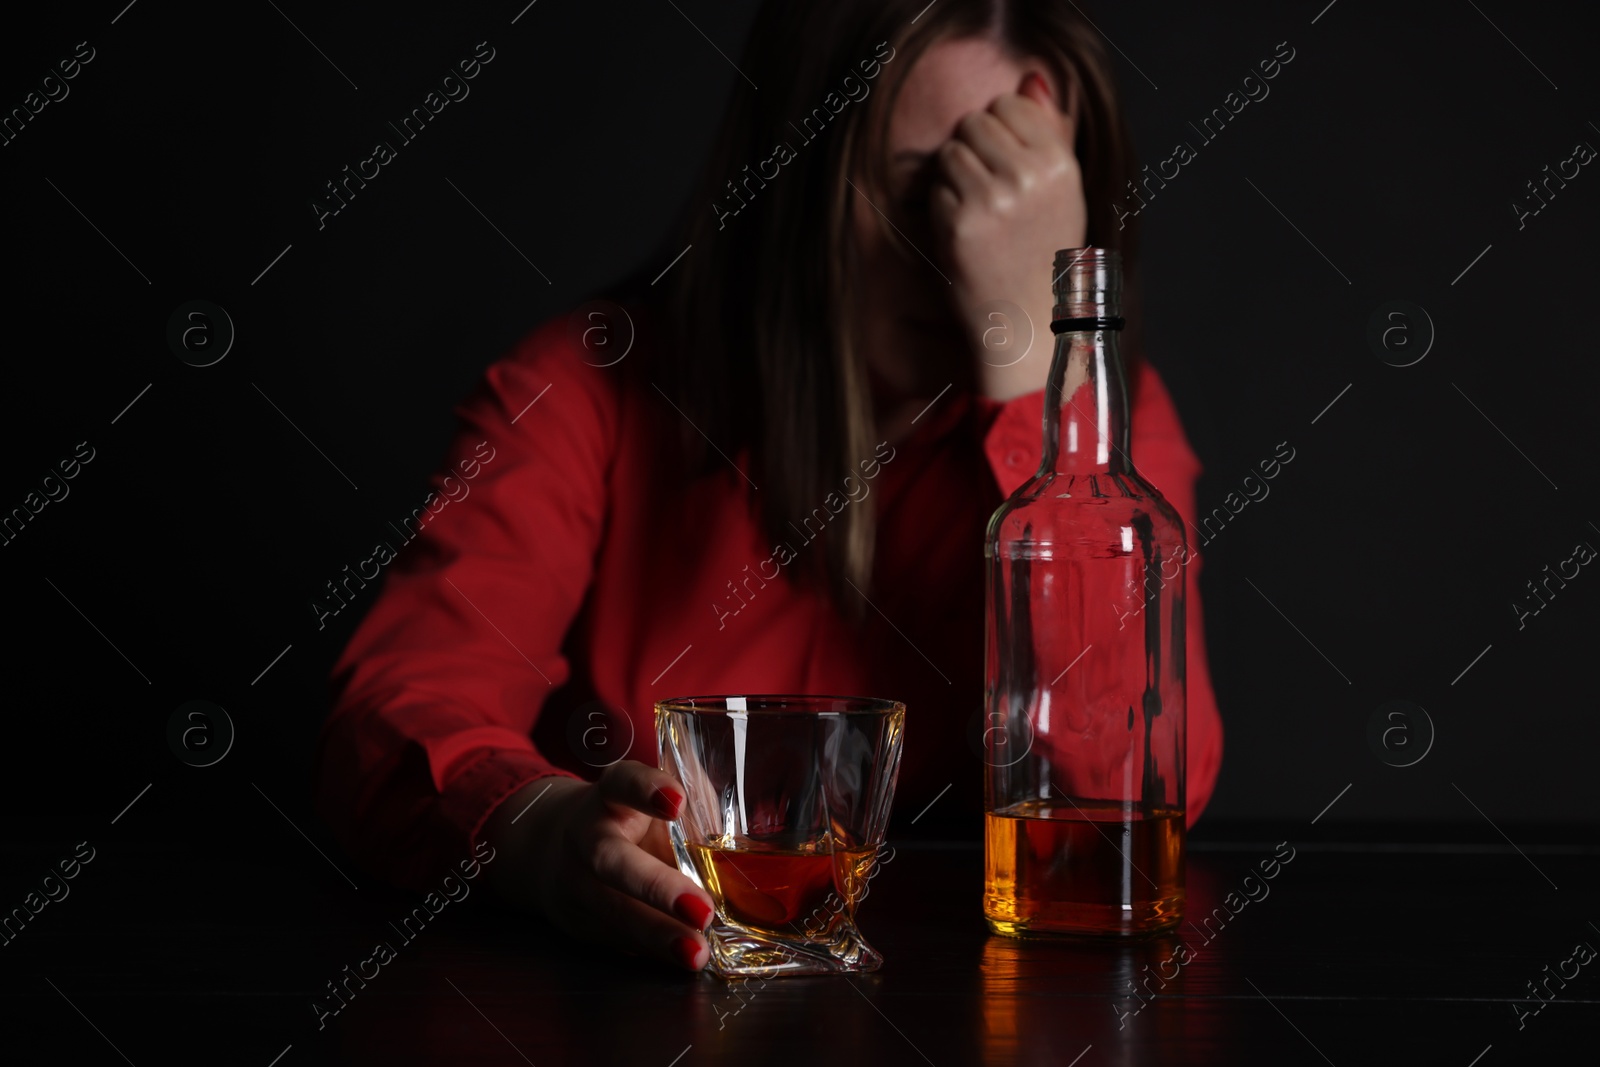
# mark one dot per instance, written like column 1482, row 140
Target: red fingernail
column 666, row 802
column 1035, row 79
column 687, row 949
column 692, row 910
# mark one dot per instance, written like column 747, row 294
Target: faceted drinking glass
column 786, row 799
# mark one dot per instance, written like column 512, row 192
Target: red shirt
column 559, row 566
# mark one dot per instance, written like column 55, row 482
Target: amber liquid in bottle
column 1085, row 867
column 781, row 890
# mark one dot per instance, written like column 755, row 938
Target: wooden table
column 1369, row 945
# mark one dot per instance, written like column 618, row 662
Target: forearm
column 1012, row 346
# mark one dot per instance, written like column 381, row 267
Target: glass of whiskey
column 786, row 799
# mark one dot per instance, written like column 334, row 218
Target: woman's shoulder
column 583, row 361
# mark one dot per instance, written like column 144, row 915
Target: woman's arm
column 1162, row 454
column 427, row 753
column 438, row 689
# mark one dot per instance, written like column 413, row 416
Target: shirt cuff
column 484, row 783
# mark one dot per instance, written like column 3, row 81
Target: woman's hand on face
column 1009, row 194
column 595, row 859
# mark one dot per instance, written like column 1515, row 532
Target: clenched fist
column 1007, row 195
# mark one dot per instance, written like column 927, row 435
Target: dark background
column 1391, row 548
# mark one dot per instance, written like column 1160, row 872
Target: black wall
column 1384, row 560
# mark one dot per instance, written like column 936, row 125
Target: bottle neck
column 1086, row 404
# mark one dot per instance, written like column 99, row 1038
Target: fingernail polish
column 687, row 949
column 666, row 802
column 692, row 910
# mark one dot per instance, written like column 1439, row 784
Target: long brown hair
column 760, row 352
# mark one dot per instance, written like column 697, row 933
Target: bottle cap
column 1087, row 283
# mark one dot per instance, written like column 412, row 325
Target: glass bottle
column 1084, row 680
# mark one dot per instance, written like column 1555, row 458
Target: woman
column 781, row 486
